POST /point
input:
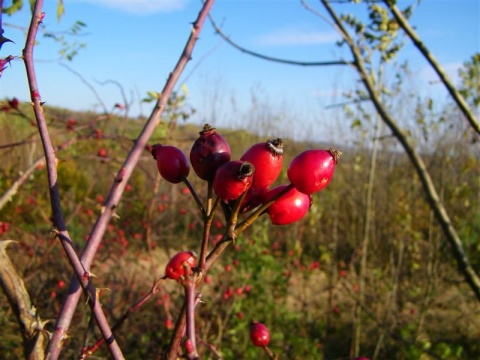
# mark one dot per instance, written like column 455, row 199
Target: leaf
column 60, row 10
column 184, row 89
column 356, row 123
column 16, row 6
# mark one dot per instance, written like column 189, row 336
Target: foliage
column 470, row 75
column 300, row 280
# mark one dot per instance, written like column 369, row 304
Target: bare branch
column 274, row 59
column 19, row 299
column 80, row 76
column 438, row 208
column 462, row 104
column 83, row 277
column 124, row 173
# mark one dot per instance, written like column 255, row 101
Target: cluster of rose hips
column 251, row 175
column 243, row 186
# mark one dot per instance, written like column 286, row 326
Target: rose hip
column 259, row 334
column 267, row 157
column 208, row 153
column 289, row 207
column 172, row 163
column 312, row 170
column 176, row 266
column 233, row 179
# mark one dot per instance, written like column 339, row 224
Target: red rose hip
column 232, row 179
column 289, row 207
column 208, row 152
column 312, row 170
column 176, row 266
column 259, row 334
column 267, row 157
column 172, row 164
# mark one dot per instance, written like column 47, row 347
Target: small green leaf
column 16, row 6
column 60, row 10
column 184, row 89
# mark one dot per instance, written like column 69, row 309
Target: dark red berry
column 176, row 266
column 267, row 157
column 312, row 170
column 208, row 153
column 172, row 163
column 289, row 207
column 233, row 179
column 13, row 103
column 259, row 334
column 71, row 124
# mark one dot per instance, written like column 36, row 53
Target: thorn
column 98, row 291
column 43, row 323
column 5, row 243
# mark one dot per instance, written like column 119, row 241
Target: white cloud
column 141, row 7
column 294, row 36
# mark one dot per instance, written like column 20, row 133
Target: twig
column 271, row 58
column 441, row 214
column 154, row 289
column 19, row 299
column 462, row 104
column 81, row 273
column 10, row 193
column 82, row 79
column 116, row 191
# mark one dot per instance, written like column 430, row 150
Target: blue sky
column 137, row 43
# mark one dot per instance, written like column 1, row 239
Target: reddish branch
column 116, row 191
column 155, row 288
column 81, row 273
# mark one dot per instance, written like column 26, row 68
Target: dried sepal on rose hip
column 289, row 207
column 209, row 151
column 172, row 164
column 267, row 157
column 259, row 334
column 176, row 265
column 312, row 170
column 232, row 179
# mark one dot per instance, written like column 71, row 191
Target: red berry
column 267, row 157
column 259, row 334
column 208, row 153
column 13, row 103
column 71, row 124
column 172, row 163
column 289, row 207
column 189, row 346
column 169, row 324
column 233, row 179
column 176, row 266
column 5, row 226
column 312, row 170
column 102, row 153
